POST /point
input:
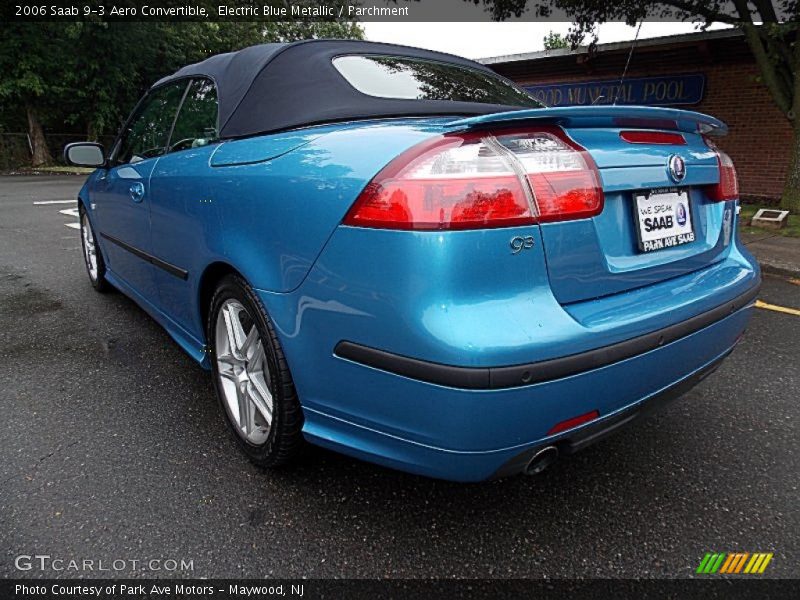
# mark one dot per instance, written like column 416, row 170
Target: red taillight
column 473, row 181
column 562, row 175
column 573, row 422
column 452, row 182
column 728, row 186
column 653, row 137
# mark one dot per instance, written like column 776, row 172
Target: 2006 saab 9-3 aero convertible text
column 399, row 255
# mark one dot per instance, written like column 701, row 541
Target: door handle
column 137, row 191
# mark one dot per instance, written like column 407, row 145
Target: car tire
column 253, row 383
column 92, row 255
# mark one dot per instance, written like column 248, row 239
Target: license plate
column 664, row 218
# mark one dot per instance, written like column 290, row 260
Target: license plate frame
column 660, row 223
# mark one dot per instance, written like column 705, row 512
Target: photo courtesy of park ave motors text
column 294, row 295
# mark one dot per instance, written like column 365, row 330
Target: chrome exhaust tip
column 541, row 460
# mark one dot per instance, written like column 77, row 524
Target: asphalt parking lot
column 112, row 447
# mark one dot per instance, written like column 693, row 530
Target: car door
column 184, row 216
column 121, row 194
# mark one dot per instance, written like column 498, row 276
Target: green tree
column 88, row 75
column 31, row 78
column 133, row 56
column 555, row 41
column 303, row 30
column 106, row 64
column 769, row 26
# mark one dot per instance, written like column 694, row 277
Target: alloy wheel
column 243, row 373
column 89, row 249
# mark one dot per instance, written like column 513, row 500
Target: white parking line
column 70, row 212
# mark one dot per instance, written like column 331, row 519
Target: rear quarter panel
column 276, row 215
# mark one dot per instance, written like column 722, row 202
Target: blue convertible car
column 400, row 255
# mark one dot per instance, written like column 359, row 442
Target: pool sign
column 654, row 91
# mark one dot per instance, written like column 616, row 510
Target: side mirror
column 84, row 154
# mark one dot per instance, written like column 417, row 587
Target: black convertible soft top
column 272, row 87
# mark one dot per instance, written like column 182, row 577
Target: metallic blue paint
column 271, row 207
column 127, row 218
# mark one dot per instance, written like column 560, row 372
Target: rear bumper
column 573, row 441
column 541, row 371
column 455, row 369
column 477, row 434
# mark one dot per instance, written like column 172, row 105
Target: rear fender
column 278, row 214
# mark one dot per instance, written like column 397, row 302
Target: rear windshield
column 414, row 79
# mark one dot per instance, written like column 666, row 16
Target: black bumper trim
column 480, row 378
column 153, row 260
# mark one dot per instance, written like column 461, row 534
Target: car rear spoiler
column 639, row 117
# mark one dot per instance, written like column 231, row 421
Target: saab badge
column 680, row 214
column 677, row 168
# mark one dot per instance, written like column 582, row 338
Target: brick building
column 711, row 72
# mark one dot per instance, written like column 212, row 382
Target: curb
column 43, row 172
column 777, row 255
column 777, row 270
